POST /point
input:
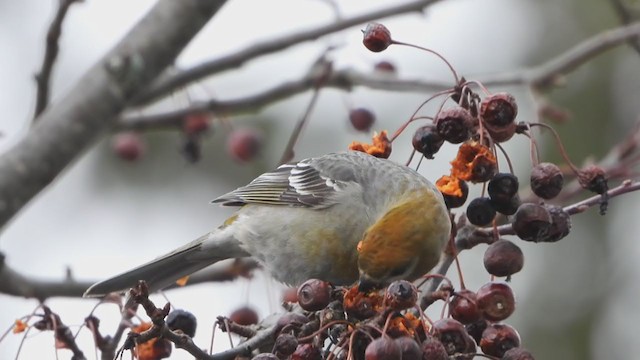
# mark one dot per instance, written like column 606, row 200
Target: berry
column 285, row 344
column 306, row 352
column 560, row 224
column 314, row 295
column 383, row 348
column 499, row 109
column 433, row 349
column 531, row 222
column 244, row 144
column 385, row 66
column 244, row 316
column 546, row 180
column 502, row 187
column 503, row 258
column 400, row 295
column 474, row 162
column 454, row 124
column 463, row 307
column 454, row 191
column 290, row 295
column 427, row 141
column 508, row 207
column 410, row 349
column 476, row 329
column 195, row 123
column 290, row 319
column 376, row 37
column 183, row 321
column 128, row 146
column 452, row 334
column 496, row 301
column 593, row 178
column 480, row 212
column 517, row 353
column 498, row 338
column 500, row 134
column 362, row 119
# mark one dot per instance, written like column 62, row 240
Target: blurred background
column 577, row 298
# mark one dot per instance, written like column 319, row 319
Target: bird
column 345, row 218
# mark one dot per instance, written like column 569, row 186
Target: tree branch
column 92, row 106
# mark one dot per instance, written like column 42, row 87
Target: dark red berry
column 244, row 316
column 285, row 344
column 502, row 187
column 454, row 191
column 503, row 258
column 454, row 124
column 499, row 109
column 427, row 141
column 362, row 119
column 480, row 212
column 400, row 295
column 306, row 352
column 452, row 334
column 497, row 339
column 546, row 180
column 410, row 349
column 196, row 123
column 476, row 329
column 383, row 348
column 161, row 349
column 385, row 66
column 433, row 349
column 376, row 37
column 496, row 300
column 560, row 224
column 128, row 146
column 314, row 295
column 531, row 222
column 517, row 353
column 291, row 319
column 500, row 134
column 290, row 295
column 593, row 178
column 463, row 307
column 183, row 321
column 244, row 144
column 508, row 207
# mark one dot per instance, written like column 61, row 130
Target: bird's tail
column 165, row 270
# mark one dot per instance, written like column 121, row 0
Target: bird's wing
column 309, row 183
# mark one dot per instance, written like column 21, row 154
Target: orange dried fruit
column 475, row 162
column 381, row 147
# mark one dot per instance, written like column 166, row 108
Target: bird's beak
column 366, row 283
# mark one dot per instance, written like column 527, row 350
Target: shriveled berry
column 362, row 119
column 500, row 134
column 508, row 207
column 502, row 187
column 385, row 66
column 531, row 222
column 383, row 348
column 182, row 320
column 244, row 144
column 560, row 224
column 265, row 356
column 452, row 334
column 594, row 178
column 496, row 300
column 480, row 212
column 244, row 316
column 474, row 162
column 517, row 353
column 314, row 295
column 291, row 319
column 128, row 146
column 306, row 352
column 410, row 349
column 196, row 123
column 400, row 295
column 463, row 307
column 497, row 339
column 376, row 37
column 546, row 180
column 499, row 109
column 454, row 191
column 285, row 344
column 433, row 349
column 427, row 141
column 454, row 124
column 476, row 329
column 503, row 258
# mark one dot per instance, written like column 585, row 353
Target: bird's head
column 406, row 242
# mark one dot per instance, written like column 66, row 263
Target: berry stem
column 453, row 71
column 563, row 152
column 414, row 117
column 506, row 157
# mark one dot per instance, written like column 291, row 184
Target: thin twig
column 626, row 17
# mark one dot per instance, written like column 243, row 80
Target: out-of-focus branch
column 91, row 108
column 625, row 13
column 50, row 55
column 166, row 85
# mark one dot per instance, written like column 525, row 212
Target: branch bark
column 93, row 105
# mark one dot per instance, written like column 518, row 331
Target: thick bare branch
column 93, row 105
